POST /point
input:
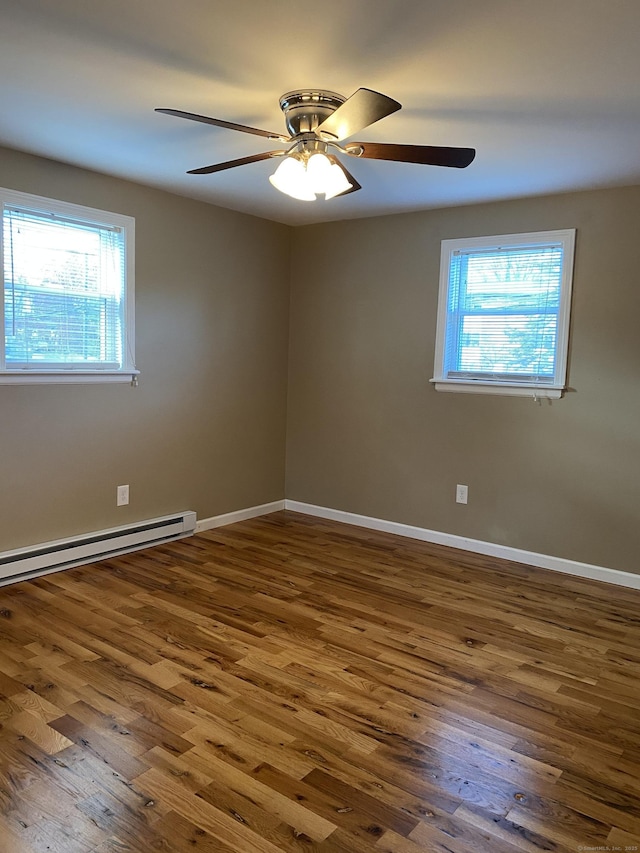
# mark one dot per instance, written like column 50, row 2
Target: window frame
column 483, row 384
column 73, row 374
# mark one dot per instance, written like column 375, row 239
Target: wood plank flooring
column 291, row 684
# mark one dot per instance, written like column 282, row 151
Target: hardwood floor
column 291, row 684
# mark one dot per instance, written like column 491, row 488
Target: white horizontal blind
column 503, row 311
column 63, row 292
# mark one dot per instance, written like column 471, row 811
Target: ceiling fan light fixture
column 326, row 176
column 291, row 179
column 306, row 178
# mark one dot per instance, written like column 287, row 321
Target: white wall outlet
column 122, row 496
column 462, row 494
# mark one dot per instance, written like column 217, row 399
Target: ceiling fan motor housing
column 306, row 109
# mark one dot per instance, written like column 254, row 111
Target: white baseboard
column 517, row 555
column 238, row 515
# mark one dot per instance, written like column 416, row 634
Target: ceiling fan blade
column 363, row 108
column 218, row 122
column 427, row 155
column 230, row 164
column 355, row 186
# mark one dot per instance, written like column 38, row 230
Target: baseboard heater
column 26, row 563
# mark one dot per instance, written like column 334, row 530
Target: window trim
column 38, row 374
column 484, row 385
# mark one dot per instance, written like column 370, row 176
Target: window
column 68, row 292
column 503, row 314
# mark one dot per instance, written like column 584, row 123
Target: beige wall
column 205, row 429
column 367, row 433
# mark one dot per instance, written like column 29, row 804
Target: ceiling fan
column 317, row 121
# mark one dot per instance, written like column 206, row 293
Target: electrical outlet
column 462, row 494
column 122, row 496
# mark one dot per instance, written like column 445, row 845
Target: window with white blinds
column 68, row 292
column 503, row 314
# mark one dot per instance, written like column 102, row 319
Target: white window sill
column 67, row 377
column 551, row 392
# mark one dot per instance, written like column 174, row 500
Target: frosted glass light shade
column 305, row 182
column 326, row 178
column 291, row 178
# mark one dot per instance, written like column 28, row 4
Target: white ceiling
column 547, row 91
